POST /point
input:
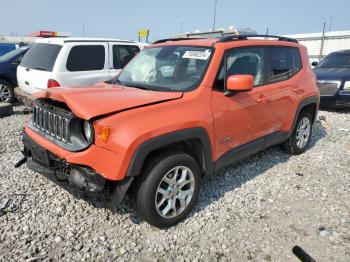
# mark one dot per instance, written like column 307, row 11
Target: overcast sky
column 122, row 19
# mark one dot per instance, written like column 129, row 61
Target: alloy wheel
column 174, row 192
column 303, row 132
column 5, row 93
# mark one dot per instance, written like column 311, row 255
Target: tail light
column 52, row 83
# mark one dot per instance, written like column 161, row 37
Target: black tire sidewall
column 10, row 87
column 293, row 140
column 148, row 187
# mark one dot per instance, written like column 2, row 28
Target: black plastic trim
column 245, row 37
column 307, row 101
column 149, row 146
column 175, row 39
column 250, row 148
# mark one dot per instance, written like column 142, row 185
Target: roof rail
column 245, row 37
column 175, row 39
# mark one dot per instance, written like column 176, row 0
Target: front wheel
column 168, row 190
column 300, row 139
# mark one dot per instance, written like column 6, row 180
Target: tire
column 6, row 109
column 7, row 93
column 154, row 188
column 296, row 145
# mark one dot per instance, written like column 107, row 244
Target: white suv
column 54, row 62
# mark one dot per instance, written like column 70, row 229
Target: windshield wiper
column 135, row 86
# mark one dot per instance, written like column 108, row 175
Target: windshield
column 167, row 68
column 336, row 61
column 11, row 54
column 41, row 57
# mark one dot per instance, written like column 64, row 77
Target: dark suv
column 333, row 79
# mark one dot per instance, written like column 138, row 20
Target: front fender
column 149, row 146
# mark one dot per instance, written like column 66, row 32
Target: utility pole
column 83, row 30
column 322, row 41
column 267, row 31
column 214, row 14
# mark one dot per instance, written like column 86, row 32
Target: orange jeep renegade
column 179, row 110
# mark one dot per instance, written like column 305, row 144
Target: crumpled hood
column 87, row 102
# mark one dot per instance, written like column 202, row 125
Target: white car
column 54, row 62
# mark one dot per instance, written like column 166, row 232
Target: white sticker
column 197, row 54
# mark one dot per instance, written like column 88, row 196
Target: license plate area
column 40, row 155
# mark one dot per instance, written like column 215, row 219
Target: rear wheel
column 168, row 190
column 7, row 93
column 300, row 139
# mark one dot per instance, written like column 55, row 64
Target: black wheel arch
column 4, row 78
column 311, row 104
column 194, row 141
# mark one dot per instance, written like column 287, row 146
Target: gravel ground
column 255, row 210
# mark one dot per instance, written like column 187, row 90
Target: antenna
column 216, row 1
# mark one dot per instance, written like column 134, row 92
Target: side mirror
column 314, row 63
column 239, row 83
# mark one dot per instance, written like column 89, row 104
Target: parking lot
column 254, row 210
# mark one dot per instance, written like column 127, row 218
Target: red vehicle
column 179, row 110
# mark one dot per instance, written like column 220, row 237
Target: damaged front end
column 81, row 181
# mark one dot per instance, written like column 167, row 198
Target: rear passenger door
column 86, row 64
column 121, row 54
column 283, row 64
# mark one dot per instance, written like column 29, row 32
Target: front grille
column 328, row 88
column 51, row 123
column 56, row 122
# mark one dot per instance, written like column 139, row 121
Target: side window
column 86, row 58
column 280, row 64
column 242, row 61
column 122, row 54
column 297, row 59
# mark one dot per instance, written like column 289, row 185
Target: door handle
column 262, row 99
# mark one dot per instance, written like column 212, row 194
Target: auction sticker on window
column 203, row 55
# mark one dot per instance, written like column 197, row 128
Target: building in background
column 319, row 45
column 30, row 38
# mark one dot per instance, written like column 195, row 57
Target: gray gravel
column 255, row 210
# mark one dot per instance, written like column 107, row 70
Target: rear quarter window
column 86, row 58
column 41, row 57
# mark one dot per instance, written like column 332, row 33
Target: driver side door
column 241, row 118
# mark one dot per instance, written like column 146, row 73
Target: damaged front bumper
column 80, row 181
